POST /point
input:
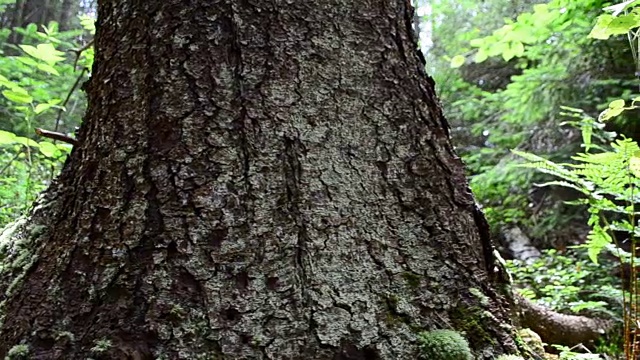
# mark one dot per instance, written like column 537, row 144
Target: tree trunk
column 69, row 10
column 254, row 180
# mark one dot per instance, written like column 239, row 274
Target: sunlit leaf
column 508, row 54
column 48, row 149
column 45, row 52
column 597, row 240
column 457, row 61
column 5, row 82
column 26, row 141
column 48, row 69
column 616, row 108
column 7, row 137
column 477, row 42
column 48, row 53
column 17, row 97
column 518, row 48
column 27, row 60
column 66, row 148
column 607, row 25
column 481, row 56
column 88, row 23
column 600, row 30
column 42, row 108
column 615, row 104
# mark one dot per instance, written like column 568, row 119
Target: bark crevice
column 260, row 180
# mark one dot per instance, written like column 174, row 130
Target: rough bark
column 254, row 180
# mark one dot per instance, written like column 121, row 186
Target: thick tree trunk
column 266, row 180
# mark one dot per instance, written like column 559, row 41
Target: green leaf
column 26, row 141
column 17, row 96
column 40, row 108
column 32, row 28
column 49, row 54
column 48, row 69
column 597, row 240
column 479, row 42
column 610, row 113
column 65, row 148
column 616, row 104
column 29, row 49
column 622, row 24
column 48, row 149
column 52, row 29
column 616, row 108
column 44, row 52
column 608, row 25
column 27, row 61
column 481, row 56
column 572, row 109
column 88, row 23
column 600, row 29
column 457, row 61
column 518, row 48
column 508, row 54
column 587, row 133
column 5, row 82
column 7, row 137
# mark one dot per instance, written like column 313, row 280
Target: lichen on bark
column 256, row 180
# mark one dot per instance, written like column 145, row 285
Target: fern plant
column 608, row 177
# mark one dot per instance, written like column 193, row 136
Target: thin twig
column 79, row 52
column 57, row 136
column 64, row 104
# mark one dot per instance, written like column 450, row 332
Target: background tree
column 21, row 13
column 496, row 105
column 254, row 181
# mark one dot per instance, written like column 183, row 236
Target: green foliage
column 545, row 24
column 23, row 175
column 624, row 17
column 501, row 193
column 101, row 346
column 18, row 352
column 444, row 345
column 5, row 3
column 36, row 78
column 608, row 179
column 567, row 353
column 568, row 282
column 38, row 83
column 536, row 58
column 509, row 75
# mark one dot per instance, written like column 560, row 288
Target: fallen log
column 561, row 329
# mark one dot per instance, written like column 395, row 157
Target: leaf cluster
column 38, row 79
